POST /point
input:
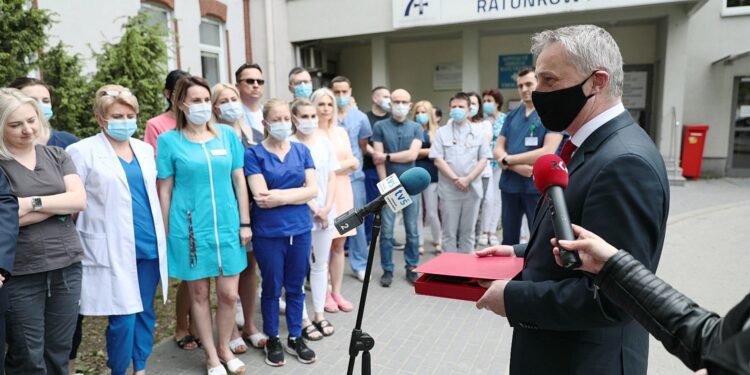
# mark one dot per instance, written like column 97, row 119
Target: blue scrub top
column 143, row 219
column 281, row 221
column 357, row 126
column 61, row 139
column 515, row 130
column 427, row 163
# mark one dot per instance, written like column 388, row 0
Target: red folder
column 456, row 276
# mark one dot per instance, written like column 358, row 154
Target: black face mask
column 559, row 108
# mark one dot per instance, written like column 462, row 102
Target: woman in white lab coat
column 121, row 230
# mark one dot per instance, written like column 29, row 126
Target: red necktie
column 567, row 151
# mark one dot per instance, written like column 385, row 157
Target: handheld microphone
column 550, row 178
column 395, row 191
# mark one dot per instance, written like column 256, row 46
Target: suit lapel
column 597, row 138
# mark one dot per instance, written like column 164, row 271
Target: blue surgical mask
column 121, row 129
column 422, row 118
column 385, row 104
column 473, row 110
column 231, row 111
column 489, row 108
column 46, row 110
column 401, row 110
column 280, row 131
column 342, row 101
column 198, row 114
column 458, row 114
column 303, row 90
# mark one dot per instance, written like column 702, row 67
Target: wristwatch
column 388, row 157
column 36, row 203
column 505, row 160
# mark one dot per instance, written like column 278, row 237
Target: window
column 735, row 7
column 212, row 51
column 162, row 16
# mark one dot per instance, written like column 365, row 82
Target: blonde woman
column 325, row 107
column 206, row 210
column 44, row 291
column 227, row 109
column 322, row 208
column 424, row 114
column 122, row 230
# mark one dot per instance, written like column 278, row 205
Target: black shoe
column 386, row 279
column 411, row 276
column 274, row 352
column 298, row 348
column 397, row 245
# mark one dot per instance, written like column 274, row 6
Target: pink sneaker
column 343, row 304
column 331, row 306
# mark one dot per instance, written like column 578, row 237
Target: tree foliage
column 72, row 95
column 137, row 61
column 22, row 36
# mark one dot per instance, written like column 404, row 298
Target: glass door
column 739, row 153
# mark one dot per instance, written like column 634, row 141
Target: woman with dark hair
column 41, row 92
column 204, row 201
column 165, row 121
column 492, row 205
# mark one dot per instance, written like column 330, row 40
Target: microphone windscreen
column 550, row 170
column 415, row 180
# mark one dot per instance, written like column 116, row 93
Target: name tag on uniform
column 219, row 152
column 531, row 141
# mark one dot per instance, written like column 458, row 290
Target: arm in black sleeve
column 9, row 228
column 685, row 329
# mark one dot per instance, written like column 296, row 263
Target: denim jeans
column 358, row 249
column 514, row 207
column 371, row 189
column 411, row 251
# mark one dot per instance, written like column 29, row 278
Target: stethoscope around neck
column 469, row 137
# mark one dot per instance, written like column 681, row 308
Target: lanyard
column 532, row 130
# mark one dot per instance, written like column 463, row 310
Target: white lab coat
column 110, row 277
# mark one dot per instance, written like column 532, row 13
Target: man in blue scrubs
column 358, row 128
column 522, row 140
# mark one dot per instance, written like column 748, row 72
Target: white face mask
column 307, row 127
column 401, row 110
column 231, row 111
column 280, row 131
column 199, row 114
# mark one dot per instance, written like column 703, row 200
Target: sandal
column 218, row 370
column 258, row 340
column 438, row 248
column 331, row 306
column 187, row 340
column 309, row 331
column 234, row 366
column 342, row 303
column 421, row 250
column 237, row 346
column 322, row 325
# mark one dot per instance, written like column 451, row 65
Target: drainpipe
column 270, row 49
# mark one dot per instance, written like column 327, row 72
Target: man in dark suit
column 8, row 235
column 618, row 188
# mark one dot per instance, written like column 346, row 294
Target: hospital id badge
column 219, row 152
column 531, row 141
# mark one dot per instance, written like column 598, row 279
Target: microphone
column 550, row 178
column 394, row 191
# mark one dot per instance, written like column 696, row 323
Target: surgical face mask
column 307, row 127
column 121, row 129
column 46, row 110
column 280, row 131
column 473, row 110
column 401, row 110
column 557, row 109
column 231, row 111
column 342, row 101
column 422, row 118
column 489, row 108
column 198, row 114
column 458, row 114
column 385, row 104
column 303, row 90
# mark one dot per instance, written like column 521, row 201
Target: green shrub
column 22, row 36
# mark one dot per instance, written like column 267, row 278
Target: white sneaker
column 494, row 240
column 361, row 276
column 483, row 240
column 239, row 318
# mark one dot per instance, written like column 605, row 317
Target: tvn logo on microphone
column 558, row 165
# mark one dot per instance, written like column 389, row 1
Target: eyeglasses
column 252, row 81
column 115, row 93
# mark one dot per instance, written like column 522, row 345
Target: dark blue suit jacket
column 619, row 190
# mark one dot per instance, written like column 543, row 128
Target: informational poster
column 509, row 66
column 634, row 89
column 447, row 76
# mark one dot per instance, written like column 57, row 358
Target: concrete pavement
column 704, row 256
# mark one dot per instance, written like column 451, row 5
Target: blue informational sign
column 508, row 66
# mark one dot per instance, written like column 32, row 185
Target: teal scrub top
column 204, row 222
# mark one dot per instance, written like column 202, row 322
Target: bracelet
column 244, row 225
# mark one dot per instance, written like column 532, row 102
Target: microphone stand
column 361, row 341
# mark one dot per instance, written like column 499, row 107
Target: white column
column 379, row 56
column 470, row 62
